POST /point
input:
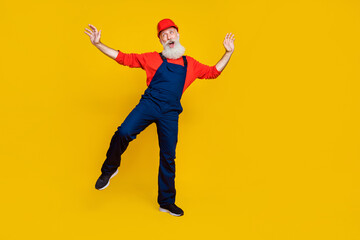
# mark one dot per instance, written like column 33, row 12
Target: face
column 168, row 35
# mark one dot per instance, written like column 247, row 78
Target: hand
column 94, row 34
column 229, row 42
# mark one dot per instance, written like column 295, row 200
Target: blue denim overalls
column 160, row 104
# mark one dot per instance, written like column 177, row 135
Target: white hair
column 173, row 53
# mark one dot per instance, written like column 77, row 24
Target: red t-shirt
column 151, row 61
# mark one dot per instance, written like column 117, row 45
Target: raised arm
column 229, row 47
column 95, row 35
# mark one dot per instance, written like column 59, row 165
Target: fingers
column 88, row 34
column 230, row 36
column 93, row 27
column 88, row 31
column 92, row 31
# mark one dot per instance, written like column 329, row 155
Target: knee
column 124, row 133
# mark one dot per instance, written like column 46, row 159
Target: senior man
column 169, row 74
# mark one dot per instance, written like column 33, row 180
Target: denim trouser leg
column 167, row 128
column 138, row 119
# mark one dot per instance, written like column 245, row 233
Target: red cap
column 164, row 24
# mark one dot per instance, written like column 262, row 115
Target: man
column 169, row 73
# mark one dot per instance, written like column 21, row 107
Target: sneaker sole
column 167, row 211
column 117, row 170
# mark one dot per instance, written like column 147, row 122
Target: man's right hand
column 94, row 34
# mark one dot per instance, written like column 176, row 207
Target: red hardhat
column 164, row 24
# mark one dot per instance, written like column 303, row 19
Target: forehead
column 168, row 30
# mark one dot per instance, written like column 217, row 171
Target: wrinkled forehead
column 167, row 30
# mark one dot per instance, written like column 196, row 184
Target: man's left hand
column 229, row 42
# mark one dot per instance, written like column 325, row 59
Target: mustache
column 176, row 40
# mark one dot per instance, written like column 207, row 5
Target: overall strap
column 162, row 56
column 185, row 61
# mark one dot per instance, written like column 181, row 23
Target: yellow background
column 269, row 150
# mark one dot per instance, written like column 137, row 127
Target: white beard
column 173, row 53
